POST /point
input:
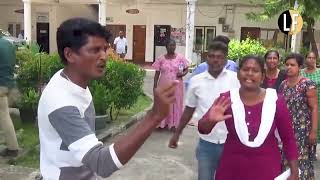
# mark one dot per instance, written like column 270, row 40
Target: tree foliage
column 309, row 10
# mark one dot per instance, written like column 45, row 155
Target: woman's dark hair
column 271, row 51
column 218, row 46
column 169, row 41
column 298, row 57
column 310, row 53
column 258, row 60
column 74, row 33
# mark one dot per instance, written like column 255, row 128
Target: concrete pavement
column 156, row 161
column 148, row 82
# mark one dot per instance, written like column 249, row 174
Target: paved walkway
column 154, row 161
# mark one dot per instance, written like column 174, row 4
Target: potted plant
column 28, row 105
column 98, row 91
column 35, row 70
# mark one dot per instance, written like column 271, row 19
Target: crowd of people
column 255, row 120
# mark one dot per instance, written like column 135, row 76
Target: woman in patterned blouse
column 301, row 96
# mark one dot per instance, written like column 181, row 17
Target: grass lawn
column 28, row 139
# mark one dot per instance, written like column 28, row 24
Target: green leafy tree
column 309, row 10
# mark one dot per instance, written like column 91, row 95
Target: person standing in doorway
column 121, row 45
column 21, row 35
column 7, row 63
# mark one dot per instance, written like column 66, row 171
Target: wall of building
column 175, row 15
column 8, row 15
column 56, row 15
column 150, row 15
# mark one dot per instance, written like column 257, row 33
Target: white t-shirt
column 121, row 45
column 69, row 148
column 202, row 92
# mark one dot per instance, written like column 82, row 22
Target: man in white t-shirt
column 69, row 148
column 121, row 45
column 203, row 90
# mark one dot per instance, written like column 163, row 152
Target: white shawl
column 267, row 117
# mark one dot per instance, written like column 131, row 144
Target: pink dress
column 169, row 69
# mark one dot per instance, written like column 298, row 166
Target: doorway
column 139, row 44
column 43, row 36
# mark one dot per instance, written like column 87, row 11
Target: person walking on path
column 7, row 63
column 171, row 66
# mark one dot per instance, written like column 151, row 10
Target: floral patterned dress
column 169, row 69
column 297, row 101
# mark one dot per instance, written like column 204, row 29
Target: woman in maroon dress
column 251, row 150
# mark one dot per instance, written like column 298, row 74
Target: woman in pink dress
column 251, row 150
column 171, row 66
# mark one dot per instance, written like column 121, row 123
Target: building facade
column 146, row 23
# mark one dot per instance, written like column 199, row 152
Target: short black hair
column 167, row 42
column 258, row 60
column 298, row 57
column 218, row 46
column 222, row 38
column 271, row 51
column 74, row 33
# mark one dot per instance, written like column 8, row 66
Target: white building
column 40, row 18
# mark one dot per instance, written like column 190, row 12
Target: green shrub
column 35, row 69
column 237, row 49
column 29, row 98
column 99, row 95
column 123, row 82
column 118, row 89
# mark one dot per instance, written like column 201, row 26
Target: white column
column 294, row 37
column 191, row 6
column 27, row 20
column 102, row 12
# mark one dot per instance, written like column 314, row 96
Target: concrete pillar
column 294, row 38
column 27, row 20
column 102, row 12
column 191, row 6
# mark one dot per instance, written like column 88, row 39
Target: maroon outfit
column 240, row 162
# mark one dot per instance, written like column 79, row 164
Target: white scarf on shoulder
column 267, row 117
